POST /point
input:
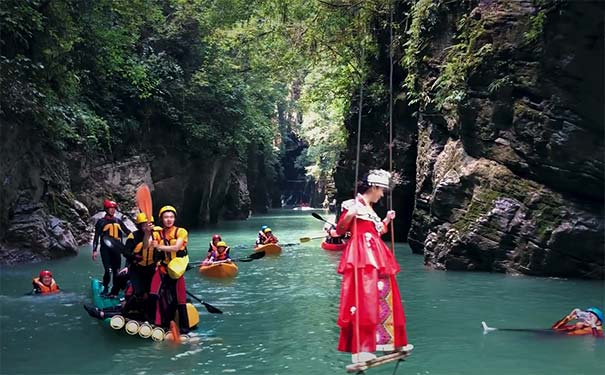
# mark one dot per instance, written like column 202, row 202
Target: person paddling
column 142, row 256
column 44, row 283
column 591, row 318
column 261, row 235
column 221, row 254
column 268, row 238
column 112, row 227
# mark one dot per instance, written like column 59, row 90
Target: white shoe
column 362, row 357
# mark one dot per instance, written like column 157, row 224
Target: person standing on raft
column 376, row 322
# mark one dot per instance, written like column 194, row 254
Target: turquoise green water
column 280, row 317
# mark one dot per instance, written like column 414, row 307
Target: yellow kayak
column 269, row 249
column 219, row 269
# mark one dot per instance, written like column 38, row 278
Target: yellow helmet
column 267, row 230
column 141, row 218
column 166, row 209
column 221, row 244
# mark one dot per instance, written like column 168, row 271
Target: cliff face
column 510, row 137
column 47, row 199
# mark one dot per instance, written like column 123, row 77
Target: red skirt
column 378, row 312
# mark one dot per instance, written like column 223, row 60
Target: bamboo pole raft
column 400, row 355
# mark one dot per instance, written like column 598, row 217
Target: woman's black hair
column 362, row 185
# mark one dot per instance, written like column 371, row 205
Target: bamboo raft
column 400, row 355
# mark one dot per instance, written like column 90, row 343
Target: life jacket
column 43, row 289
column 112, row 228
column 270, row 239
column 169, row 239
column 218, row 256
column 147, row 254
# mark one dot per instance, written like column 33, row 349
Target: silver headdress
column 379, row 177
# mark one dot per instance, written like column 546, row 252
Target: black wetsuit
column 112, row 258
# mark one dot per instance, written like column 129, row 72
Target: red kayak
column 333, row 246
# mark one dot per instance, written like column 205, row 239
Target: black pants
column 112, row 260
column 140, row 277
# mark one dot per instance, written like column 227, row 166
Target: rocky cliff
column 510, row 136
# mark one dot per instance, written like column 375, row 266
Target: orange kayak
column 333, row 246
column 219, row 269
column 269, row 249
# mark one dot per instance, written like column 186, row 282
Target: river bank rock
column 510, row 145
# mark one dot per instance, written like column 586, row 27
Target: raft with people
column 134, row 327
column 220, row 269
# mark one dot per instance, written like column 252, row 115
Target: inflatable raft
column 219, row 269
column 269, row 249
column 333, row 246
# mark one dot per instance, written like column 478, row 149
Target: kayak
column 219, row 269
column 269, row 249
column 136, row 327
column 333, row 246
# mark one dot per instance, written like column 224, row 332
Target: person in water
column 221, row 254
column 171, row 241
column 112, row 227
column 589, row 319
column 141, row 256
column 269, row 237
column 377, row 321
column 44, row 283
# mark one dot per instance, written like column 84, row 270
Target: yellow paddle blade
column 305, row 239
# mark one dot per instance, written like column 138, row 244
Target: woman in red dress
column 371, row 316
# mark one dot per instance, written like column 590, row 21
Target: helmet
column 597, row 312
column 267, row 230
column 216, row 237
column 263, row 227
column 221, row 244
column 142, row 218
column 166, row 209
column 45, row 273
column 109, row 204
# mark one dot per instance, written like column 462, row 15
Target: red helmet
column 216, row 237
column 45, row 273
column 109, row 204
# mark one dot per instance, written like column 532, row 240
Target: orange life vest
column 169, row 238
column 43, row 289
column 146, row 254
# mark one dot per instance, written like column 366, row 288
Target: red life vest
column 43, row 289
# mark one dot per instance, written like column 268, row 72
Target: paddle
column 211, row 309
column 318, row 217
column 249, row 258
column 307, row 239
column 487, row 329
column 143, row 198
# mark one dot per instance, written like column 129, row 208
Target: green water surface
column 280, row 317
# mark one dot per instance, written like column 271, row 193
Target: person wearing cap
column 215, row 239
column 221, row 254
column 171, row 243
column 141, row 256
column 112, row 227
column 269, row 236
column 370, row 303
column 44, row 283
column 261, row 235
column 591, row 318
